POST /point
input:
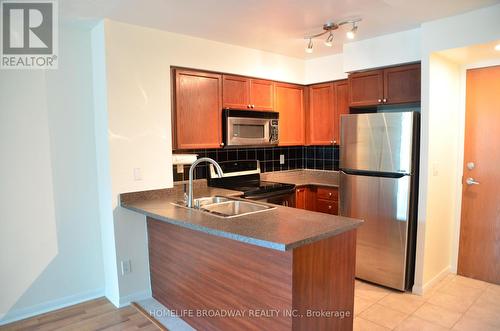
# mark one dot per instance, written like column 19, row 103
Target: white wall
column 482, row 26
column 50, row 251
column 438, row 228
column 387, row 50
column 138, row 106
column 326, row 68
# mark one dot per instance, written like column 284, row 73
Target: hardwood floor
column 97, row 314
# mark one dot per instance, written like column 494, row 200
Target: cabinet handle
column 221, row 144
column 334, row 141
column 384, row 100
column 379, row 100
column 331, row 141
column 329, row 194
column 253, row 106
column 248, row 106
column 329, row 206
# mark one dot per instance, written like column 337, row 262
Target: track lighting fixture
column 328, row 28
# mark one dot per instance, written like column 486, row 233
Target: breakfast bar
column 278, row 269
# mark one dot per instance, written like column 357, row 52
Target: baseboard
column 137, row 296
column 45, row 307
column 420, row 290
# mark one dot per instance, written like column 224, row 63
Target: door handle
column 471, row 181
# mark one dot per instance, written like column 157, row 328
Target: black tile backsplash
column 296, row 157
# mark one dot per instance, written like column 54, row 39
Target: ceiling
column 276, row 26
column 475, row 54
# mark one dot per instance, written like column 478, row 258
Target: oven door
column 244, row 131
column 283, row 198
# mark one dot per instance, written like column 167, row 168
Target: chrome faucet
column 220, row 173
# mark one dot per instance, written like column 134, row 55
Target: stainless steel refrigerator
column 378, row 183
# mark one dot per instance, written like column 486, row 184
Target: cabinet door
column 402, row 84
column 341, row 107
column 289, row 102
column 321, row 114
column 198, row 106
column 300, row 198
column 236, row 92
column 327, row 206
column 261, row 94
column 366, row 88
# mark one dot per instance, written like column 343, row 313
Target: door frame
column 460, row 165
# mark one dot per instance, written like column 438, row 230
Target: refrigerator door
column 379, row 142
column 383, row 203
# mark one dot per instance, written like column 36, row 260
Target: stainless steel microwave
column 250, row 127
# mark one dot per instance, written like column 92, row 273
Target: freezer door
column 383, row 204
column 379, row 142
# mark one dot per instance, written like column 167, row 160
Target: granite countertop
column 303, row 177
column 282, row 228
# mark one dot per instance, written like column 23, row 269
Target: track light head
column 352, row 33
column 309, row 48
column 329, row 40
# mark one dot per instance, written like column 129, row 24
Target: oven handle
column 270, row 194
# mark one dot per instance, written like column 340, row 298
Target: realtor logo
column 29, row 34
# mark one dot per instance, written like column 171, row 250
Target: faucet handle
column 185, row 194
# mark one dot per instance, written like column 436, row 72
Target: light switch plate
column 137, row 174
column 126, row 267
column 282, row 159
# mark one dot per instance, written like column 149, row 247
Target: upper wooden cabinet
column 236, row 92
column 366, row 88
column 402, row 84
column 326, row 103
column 289, row 102
column 321, row 114
column 261, row 94
column 341, row 107
column 247, row 93
column 198, row 110
column 393, row 85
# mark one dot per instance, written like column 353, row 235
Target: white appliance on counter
column 378, row 184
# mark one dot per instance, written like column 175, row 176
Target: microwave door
column 247, row 131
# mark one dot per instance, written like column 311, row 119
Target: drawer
column 327, row 206
column 328, row 193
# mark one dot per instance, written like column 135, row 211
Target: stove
column 244, row 176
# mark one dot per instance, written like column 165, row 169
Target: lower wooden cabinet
column 318, row 198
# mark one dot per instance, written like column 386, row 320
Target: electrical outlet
column 137, row 174
column 126, row 267
column 282, row 158
column 180, row 168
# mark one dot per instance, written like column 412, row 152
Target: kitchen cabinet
column 366, row 88
column 305, row 198
column 247, row 93
column 341, row 107
column 327, row 200
column 317, row 198
column 198, row 106
column 394, row 85
column 327, row 102
column 402, row 84
column 289, row 102
column 321, row 114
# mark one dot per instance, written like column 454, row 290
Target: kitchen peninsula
column 280, row 269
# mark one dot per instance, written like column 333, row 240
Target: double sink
column 226, row 207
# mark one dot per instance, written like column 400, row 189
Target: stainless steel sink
column 226, row 207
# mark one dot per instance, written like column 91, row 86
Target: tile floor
column 455, row 303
